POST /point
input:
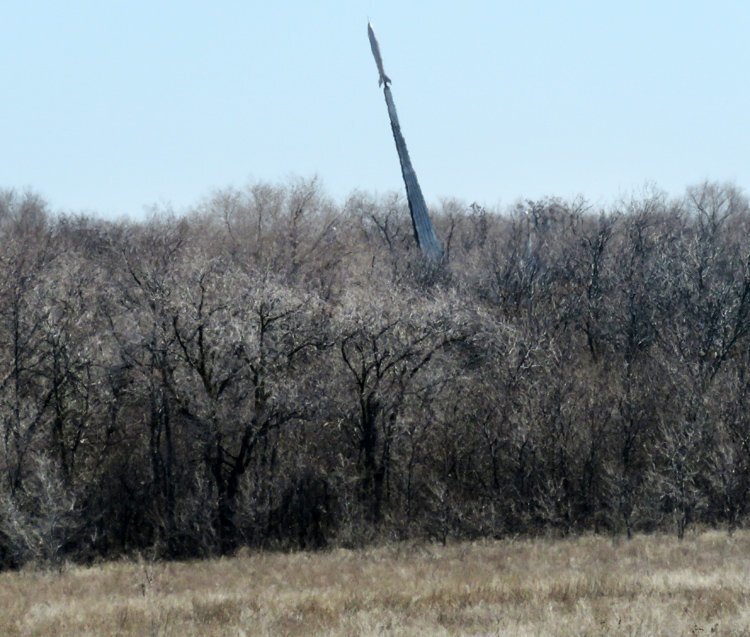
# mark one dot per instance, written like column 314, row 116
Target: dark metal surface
column 420, row 219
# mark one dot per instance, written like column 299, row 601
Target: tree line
column 273, row 369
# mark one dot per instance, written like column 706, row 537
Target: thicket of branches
column 274, row 370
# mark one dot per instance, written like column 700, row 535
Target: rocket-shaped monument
column 423, row 232
column 384, row 79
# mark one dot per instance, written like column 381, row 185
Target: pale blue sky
column 110, row 107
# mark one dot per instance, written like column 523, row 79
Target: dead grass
column 584, row 586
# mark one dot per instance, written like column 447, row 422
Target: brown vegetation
column 652, row 585
column 274, row 370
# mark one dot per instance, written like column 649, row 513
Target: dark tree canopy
column 276, row 370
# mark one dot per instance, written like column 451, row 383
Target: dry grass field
column 584, row 586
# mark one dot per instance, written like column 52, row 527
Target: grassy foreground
column 584, row 586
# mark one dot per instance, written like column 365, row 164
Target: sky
column 112, row 108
